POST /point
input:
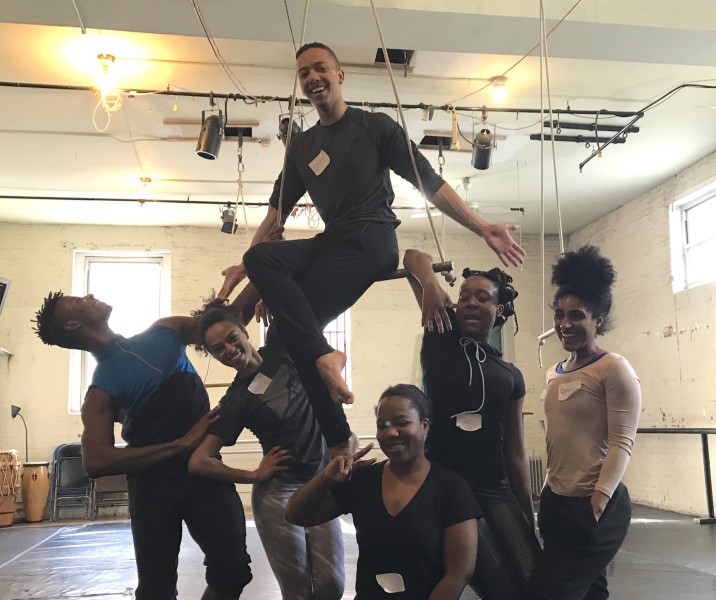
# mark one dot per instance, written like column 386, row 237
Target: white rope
column 541, row 166
column 289, row 131
column 545, row 48
column 405, row 131
column 544, row 68
column 239, row 198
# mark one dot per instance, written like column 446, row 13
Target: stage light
column 228, row 217
column 283, row 129
column 212, row 132
column 482, row 149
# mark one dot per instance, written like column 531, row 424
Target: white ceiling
column 607, row 54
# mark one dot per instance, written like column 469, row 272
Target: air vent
column 233, row 132
column 435, row 142
column 397, row 56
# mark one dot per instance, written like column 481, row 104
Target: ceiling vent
column 434, row 140
column 233, row 132
column 397, row 56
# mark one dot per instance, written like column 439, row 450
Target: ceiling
column 57, row 166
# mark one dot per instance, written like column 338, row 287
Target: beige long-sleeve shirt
column 592, row 415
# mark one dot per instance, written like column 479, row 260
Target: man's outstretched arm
column 497, row 236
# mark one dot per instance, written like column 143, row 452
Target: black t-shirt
column 274, row 406
column 409, row 543
column 345, row 169
column 447, row 360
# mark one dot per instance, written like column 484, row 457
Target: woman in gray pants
column 267, row 398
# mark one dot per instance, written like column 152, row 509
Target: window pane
column 700, row 222
column 700, row 265
column 131, row 288
column 133, row 291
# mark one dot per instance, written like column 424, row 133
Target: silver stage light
column 227, row 220
column 482, row 149
column 283, row 129
column 212, row 132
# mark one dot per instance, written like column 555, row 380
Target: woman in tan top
column 592, row 404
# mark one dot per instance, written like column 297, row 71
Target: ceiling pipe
column 186, row 202
column 303, row 102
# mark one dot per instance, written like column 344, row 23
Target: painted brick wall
column 386, row 330
column 669, row 339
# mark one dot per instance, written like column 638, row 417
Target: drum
column 9, row 482
column 35, row 489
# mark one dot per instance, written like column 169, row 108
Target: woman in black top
column 414, row 520
column 477, row 427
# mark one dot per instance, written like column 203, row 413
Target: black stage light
column 482, row 149
column 212, row 132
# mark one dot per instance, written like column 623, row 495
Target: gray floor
column 665, row 556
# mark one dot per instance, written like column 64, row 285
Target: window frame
column 680, row 245
column 81, row 261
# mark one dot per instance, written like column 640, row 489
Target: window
column 694, row 239
column 137, row 286
column 338, row 335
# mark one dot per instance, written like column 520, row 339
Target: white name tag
column 392, row 583
column 319, row 164
column 469, row 421
column 567, row 389
column 260, row 384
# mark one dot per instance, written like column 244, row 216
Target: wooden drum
column 9, row 482
column 35, row 489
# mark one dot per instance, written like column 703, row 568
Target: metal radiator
column 536, row 476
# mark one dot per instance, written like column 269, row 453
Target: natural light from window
column 693, row 239
column 137, row 287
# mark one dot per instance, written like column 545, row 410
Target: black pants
column 308, row 283
column 159, row 500
column 577, row 548
column 507, row 548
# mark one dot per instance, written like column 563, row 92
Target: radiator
column 536, row 476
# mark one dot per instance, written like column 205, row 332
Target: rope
column 292, row 104
column 405, row 131
column 544, row 60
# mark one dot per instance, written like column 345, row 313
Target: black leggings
column 308, row 283
column 507, row 548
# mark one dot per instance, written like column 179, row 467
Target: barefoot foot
column 329, row 368
column 347, row 448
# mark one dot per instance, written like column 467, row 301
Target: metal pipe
column 579, row 139
column 587, row 126
column 614, row 139
column 304, row 102
column 707, row 474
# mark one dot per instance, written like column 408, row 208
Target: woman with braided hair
column 592, row 404
column 477, row 422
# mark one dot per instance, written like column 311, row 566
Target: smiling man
column 343, row 162
column 147, row 383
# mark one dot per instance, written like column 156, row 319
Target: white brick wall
column 386, row 330
column 669, row 339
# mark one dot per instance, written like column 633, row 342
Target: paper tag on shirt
column 392, row 583
column 567, row 389
column 319, row 164
column 469, row 421
column 260, row 384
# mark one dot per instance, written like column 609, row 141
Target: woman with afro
column 592, row 404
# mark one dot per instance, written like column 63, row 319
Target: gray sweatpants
column 307, row 561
